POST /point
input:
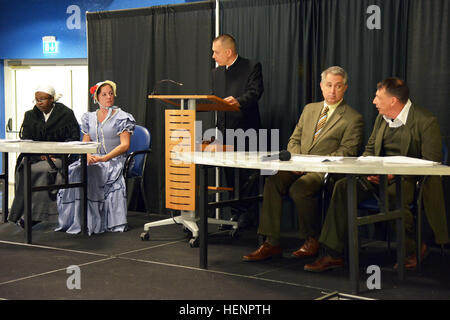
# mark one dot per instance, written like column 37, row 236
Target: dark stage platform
column 122, row 266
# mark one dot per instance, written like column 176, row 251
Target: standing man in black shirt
column 238, row 81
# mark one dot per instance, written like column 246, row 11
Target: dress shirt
column 331, row 108
column 400, row 120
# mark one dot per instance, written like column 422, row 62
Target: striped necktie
column 322, row 121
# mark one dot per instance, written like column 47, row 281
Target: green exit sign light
column 49, row 44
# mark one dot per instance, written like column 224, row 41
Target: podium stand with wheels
column 180, row 177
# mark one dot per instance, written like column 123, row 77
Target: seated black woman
column 47, row 121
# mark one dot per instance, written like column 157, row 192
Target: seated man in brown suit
column 402, row 128
column 329, row 127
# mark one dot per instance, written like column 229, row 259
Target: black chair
column 134, row 168
column 372, row 205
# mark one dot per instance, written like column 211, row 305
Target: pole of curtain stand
column 217, row 33
column 217, row 17
column 87, row 53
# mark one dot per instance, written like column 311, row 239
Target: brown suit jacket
column 421, row 140
column 342, row 134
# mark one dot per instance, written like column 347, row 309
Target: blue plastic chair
column 134, row 168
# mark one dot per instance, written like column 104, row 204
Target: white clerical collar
column 401, row 118
column 232, row 62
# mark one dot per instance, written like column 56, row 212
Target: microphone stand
column 165, row 80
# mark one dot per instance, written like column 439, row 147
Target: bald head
column 224, row 50
column 227, row 41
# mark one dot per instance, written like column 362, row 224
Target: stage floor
column 122, row 266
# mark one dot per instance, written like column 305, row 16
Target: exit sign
column 49, row 44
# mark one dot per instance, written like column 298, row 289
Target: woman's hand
column 89, row 158
column 99, row 158
column 44, row 158
column 94, row 159
column 376, row 179
column 121, row 148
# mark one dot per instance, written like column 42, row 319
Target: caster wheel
column 145, row 236
column 234, row 233
column 187, row 233
column 194, row 242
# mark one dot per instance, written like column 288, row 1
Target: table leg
column 400, row 224
column 6, row 187
column 203, row 214
column 27, row 199
column 353, row 246
column 384, row 200
column 83, row 194
column 419, row 221
column 237, row 191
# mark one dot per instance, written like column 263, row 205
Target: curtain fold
column 428, row 58
column 427, row 65
column 296, row 40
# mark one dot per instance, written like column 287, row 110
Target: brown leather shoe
column 309, row 249
column 265, row 251
column 411, row 260
column 324, row 263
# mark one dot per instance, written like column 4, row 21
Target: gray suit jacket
column 421, row 140
column 342, row 134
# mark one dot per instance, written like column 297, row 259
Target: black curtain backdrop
column 295, row 40
column 427, row 58
column 137, row 48
column 427, row 65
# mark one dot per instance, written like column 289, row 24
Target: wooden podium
column 180, row 177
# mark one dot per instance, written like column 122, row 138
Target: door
column 21, row 82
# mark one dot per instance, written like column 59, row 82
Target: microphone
column 283, row 155
column 165, row 80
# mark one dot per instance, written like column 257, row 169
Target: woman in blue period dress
column 107, row 200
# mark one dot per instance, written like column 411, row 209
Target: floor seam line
column 224, row 273
column 53, row 248
column 280, row 268
column 54, row 271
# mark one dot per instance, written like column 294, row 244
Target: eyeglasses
column 40, row 100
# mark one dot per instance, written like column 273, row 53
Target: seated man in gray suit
column 402, row 128
column 329, row 127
